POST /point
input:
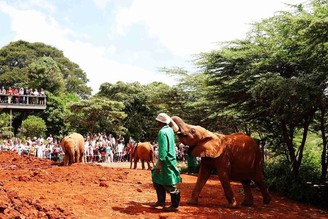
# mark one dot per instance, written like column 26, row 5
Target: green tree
column 5, row 126
column 45, row 73
column 96, row 115
column 56, row 112
column 140, row 115
column 34, row 126
column 16, row 64
column 275, row 78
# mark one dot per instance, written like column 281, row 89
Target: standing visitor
column 3, row 93
column 120, row 148
column 165, row 174
column 9, row 93
column 26, row 93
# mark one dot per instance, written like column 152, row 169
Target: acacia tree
column 275, row 78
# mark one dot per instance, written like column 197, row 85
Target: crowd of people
column 98, row 148
column 23, row 95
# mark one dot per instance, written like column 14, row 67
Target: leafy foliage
column 34, row 126
column 96, row 115
column 36, row 64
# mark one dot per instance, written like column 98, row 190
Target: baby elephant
column 235, row 157
column 143, row 151
column 73, row 147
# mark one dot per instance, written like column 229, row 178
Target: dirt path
column 34, row 188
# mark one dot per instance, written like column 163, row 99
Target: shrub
column 304, row 187
column 34, row 126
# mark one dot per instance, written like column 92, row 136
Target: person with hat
column 165, row 174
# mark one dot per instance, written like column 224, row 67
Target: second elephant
column 234, row 157
column 73, row 147
column 144, row 152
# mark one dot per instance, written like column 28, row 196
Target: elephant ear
column 211, row 146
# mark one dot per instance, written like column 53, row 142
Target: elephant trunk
column 182, row 129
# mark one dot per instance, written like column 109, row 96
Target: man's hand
column 158, row 167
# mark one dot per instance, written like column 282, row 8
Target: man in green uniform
column 165, row 174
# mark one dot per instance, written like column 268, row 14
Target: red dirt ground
column 33, row 188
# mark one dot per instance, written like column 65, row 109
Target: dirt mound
column 11, row 160
column 39, row 188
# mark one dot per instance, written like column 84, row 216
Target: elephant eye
column 180, row 134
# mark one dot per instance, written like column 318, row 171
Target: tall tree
column 45, row 73
column 17, row 57
column 275, row 78
column 139, row 114
column 97, row 115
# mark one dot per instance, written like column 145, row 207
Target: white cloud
column 192, row 26
column 185, row 27
column 101, row 4
column 34, row 26
column 44, row 4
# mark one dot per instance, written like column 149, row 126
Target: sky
column 130, row 40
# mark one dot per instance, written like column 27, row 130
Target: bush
column 34, row 126
column 303, row 188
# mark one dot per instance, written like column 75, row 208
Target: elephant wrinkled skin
column 143, row 151
column 235, row 157
column 73, row 147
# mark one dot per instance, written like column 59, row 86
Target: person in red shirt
column 9, row 93
column 15, row 95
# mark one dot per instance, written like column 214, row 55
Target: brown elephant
column 73, row 147
column 143, row 151
column 235, row 157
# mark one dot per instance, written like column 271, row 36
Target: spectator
column 109, row 154
column 31, row 98
column 36, row 96
column 26, row 93
column 15, row 95
column 3, row 93
column 120, row 148
column 9, row 93
column 21, row 95
column 42, row 95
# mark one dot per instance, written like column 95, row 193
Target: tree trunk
column 296, row 159
column 324, row 154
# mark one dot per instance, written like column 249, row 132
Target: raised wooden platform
column 28, row 102
column 22, row 106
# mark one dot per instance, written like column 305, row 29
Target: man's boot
column 175, row 202
column 161, row 195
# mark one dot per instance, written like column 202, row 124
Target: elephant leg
column 130, row 163
column 66, row 160
column 225, row 182
column 265, row 194
column 148, row 163
column 143, row 164
column 71, row 157
column 203, row 176
column 135, row 163
column 248, row 200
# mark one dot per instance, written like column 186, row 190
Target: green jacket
column 169, row 174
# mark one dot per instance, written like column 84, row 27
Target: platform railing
column 22, row 99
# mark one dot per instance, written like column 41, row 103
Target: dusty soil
column 35, row 188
